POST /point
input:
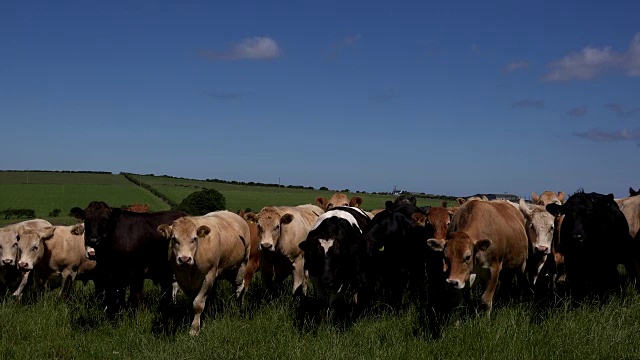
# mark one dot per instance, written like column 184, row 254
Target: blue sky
column 456, row 98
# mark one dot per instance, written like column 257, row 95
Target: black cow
column 397, row 250
column 595, row 239
column 128, row 248
column 334, row 256
column 633, row 192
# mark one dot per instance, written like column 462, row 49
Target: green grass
column 48, row 191
column 240, row 197
column 49, row 328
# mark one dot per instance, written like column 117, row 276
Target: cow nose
column 184, row 259
column 266, row 246
column 453, row 283
column 542, row 249
column 578, row 237
column 7, row 261
column 23, row 265
column 93, row 241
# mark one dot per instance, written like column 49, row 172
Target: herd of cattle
column 428, row 256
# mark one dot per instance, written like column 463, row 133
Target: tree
column 324, row 188
column 203, row 202
column 55, row 213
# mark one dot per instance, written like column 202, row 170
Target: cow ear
column 461, row 201
column 632, row 192
column 77, row 229
column 251, row 216
column 165, row 230
column 286, row 219
column 524, row 209
column 419, row 219
column 482, row 245
column 555, row 209
column 562, row 196
column 535, row 197
column 436, row 244
column 241, row 213
column 484, row 198
column 388, row 204
column 77, row 213
column 322, row 202
column 452, row 211
column 355, row 201
column 203, row 231
column 46, row 233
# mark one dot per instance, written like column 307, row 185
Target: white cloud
column 516, row 65
column 350, row 40
column 253, row 48
column 610, row 136
column 592, row 62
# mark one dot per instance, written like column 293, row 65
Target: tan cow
column 540, row 226
column 338, row 199
column 548, row 197
column 483, row 236
column 204, row 248
column 55, row 255
column 461, row 201
column 281, row 229
column 10, row 276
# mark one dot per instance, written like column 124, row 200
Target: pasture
column 45, row 327
column 44, row 192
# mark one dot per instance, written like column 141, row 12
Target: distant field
column 240, row 197
column 48, row 191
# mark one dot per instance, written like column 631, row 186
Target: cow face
column 8, row 247
column 581, row 212
column 338, row 199
column 439, row 218
column 270, row 224
column 96, row 222
column 540, row 226
column 328, row 252
column 31, row 246
column 459, row 256
column 184, row 236
column 633, row 192
column 548, row 197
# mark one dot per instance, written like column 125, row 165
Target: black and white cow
column 334, row 256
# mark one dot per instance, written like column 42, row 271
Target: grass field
column 76, row 329
column 48, row 191
column 240, row 197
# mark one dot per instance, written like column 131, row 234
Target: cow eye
column 467, row 257
column 531, row 226
column 329, row 205
column 15, row 245
column 35, row 248
column 18, row 238
column 277, row 227
column 195, row 239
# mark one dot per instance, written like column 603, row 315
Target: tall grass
column 47, row 328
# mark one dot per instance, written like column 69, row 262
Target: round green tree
column 203, row 202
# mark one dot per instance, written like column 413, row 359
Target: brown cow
column 461, row 201
column 548, row 197
column 204, row 248
column 338, row 199
column 55, row 255
column 281, row 229
column 483, row 235
column 438, row 217
column 139, row 208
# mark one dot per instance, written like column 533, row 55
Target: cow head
column 184, row 236
column 270, row 222
column 96, row 219
column 438, row 217
column 459, row 256
column 31, row 246
column 548, row 197
column 329, row 253
column 338, row 199
column 633, row 192
column 8, row 247
column 540, row 225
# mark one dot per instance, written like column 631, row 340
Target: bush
column 55, row 213
column 203, row 202
column 18, row 213
column 324, row 188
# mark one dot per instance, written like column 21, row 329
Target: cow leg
column 252, row 266
column 135, row 292
column 240, row 282
column 298, row 275
column 174, row 291
column 68, row 276
column 492, row 284
column 25, row 278
column 200, row 300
